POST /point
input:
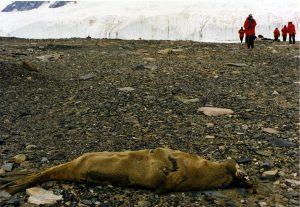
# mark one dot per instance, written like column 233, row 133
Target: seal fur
column 161, row 170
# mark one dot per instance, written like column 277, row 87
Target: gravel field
column 62, row 98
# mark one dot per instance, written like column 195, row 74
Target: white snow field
column 198, row 20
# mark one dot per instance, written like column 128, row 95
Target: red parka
column 291, row 28
column 249, row 26
column 276, row 32
column 241, row 32
column 284, row 31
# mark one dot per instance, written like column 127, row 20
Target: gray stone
column 243, row 159
column 8, row 167
column 4, row 195
column 139, row 67
column 292, row 182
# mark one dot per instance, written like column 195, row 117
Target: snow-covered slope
column 199, row 20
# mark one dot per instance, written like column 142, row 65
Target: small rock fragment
column 214, row 111
column 270, row 130
column 8, row 167
column 139, row 67
column 210, row 125
column 19, row 158
column 237, row 64
column 270, row 175
column 87, row 76
column 292, row 182
column 275, row 93
column 4, row 195
column 126, row 89
column 40, row 196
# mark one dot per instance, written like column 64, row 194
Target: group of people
column 249, row 30
column 290, row 29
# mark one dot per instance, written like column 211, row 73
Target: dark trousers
column 284, row 38
column 250, row 41
column 241, row 38
column 292, row 38
column 276, row 38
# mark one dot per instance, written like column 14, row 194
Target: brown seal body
column 159, row 169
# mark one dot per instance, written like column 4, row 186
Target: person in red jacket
column 284, row 32
column 276, row 34
column 242, row 34
column 292, row 32
column 249, row 26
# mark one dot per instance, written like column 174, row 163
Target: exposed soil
column 77, row 102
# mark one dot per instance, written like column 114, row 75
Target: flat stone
column 270, row 130
column 139, row 66
column 19, row 158
column 270, row 175
column 237, row 64
column 149, row 59
column 87, row 76
column 209, row 137
column 243, row 159
column 31, row 146
column 48, row 57
column 292, row 182
column 165, row 51
column 126, row 89
column 214, row 111
column 186, row 101
column 40, row 196
column 266, row 164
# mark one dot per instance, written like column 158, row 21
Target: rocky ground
column 62, row 98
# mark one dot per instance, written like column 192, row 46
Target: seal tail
column 13, row 183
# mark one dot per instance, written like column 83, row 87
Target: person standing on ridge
column 284, row 32
column 242, row 33
column 292, row 32
column 276, row 34
column 249, row 26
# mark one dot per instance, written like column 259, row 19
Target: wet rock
column 8, row 167
column 214, row 111
column 19, row 158
column 270, row 175
column 40, row 196
column 87, row 76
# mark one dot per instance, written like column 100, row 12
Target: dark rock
column 1, row 141
column 266, row 165
column 278, row 142
column 58, row 4
column 139, row 67
column 23, row 6
column 243, row 159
